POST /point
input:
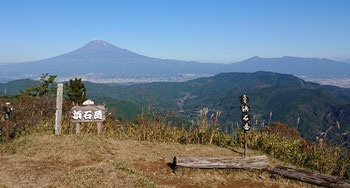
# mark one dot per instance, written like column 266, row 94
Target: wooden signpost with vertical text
column 245, row 117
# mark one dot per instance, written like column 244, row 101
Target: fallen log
column 257, row 162
column 311, row 177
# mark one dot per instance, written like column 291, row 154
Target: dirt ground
column 92, row 161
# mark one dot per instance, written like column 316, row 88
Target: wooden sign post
column 7, row 109
column 88, row 113
column 59, row 102
column 245, row 117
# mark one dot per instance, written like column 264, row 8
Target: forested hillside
column 14, row 87
column 315, row 110
column 310, row 107
column 34, row 112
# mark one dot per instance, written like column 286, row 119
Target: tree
column 47, row 87
column 76, row 91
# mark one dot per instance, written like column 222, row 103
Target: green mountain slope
column 14, row 87
column 124, row 109
column 284, row 96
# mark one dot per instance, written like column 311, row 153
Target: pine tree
column 76, row 91
column 47, row 86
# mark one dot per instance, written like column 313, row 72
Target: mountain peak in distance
column 100, row 51
column 99, row 45
column 103, row 58
column 99, row 41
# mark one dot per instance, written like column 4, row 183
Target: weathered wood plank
column 257, row 162
column 59, row 102
column 77, row 128
column 99, row 127
column 311, row 177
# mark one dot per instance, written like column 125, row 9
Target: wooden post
column 59, row 109
column 7, row 127
column 311, row 177
column 245, row 117
column 245, row 144
column 257, row 162
column 99, row 127
column 77, row 128
column 7, row 110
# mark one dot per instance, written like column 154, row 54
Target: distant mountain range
column 313, row 67
column 285, row 96
column 99, row 59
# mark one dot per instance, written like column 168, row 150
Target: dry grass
column 136, row 153
column 35, row 117
column 93, row 161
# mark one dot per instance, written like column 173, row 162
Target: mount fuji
column 101, row 57
column 101, row 61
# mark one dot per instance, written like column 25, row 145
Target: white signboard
column 88, row 114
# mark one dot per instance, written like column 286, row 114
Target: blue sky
column 200, row 30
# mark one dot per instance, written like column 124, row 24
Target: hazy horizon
column 41, row 58
column 215, row 62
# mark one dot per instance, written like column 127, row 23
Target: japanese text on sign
column 245, row 109
column 88, row 113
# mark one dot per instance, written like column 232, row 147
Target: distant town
column 132, row 79
column 340, row 82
